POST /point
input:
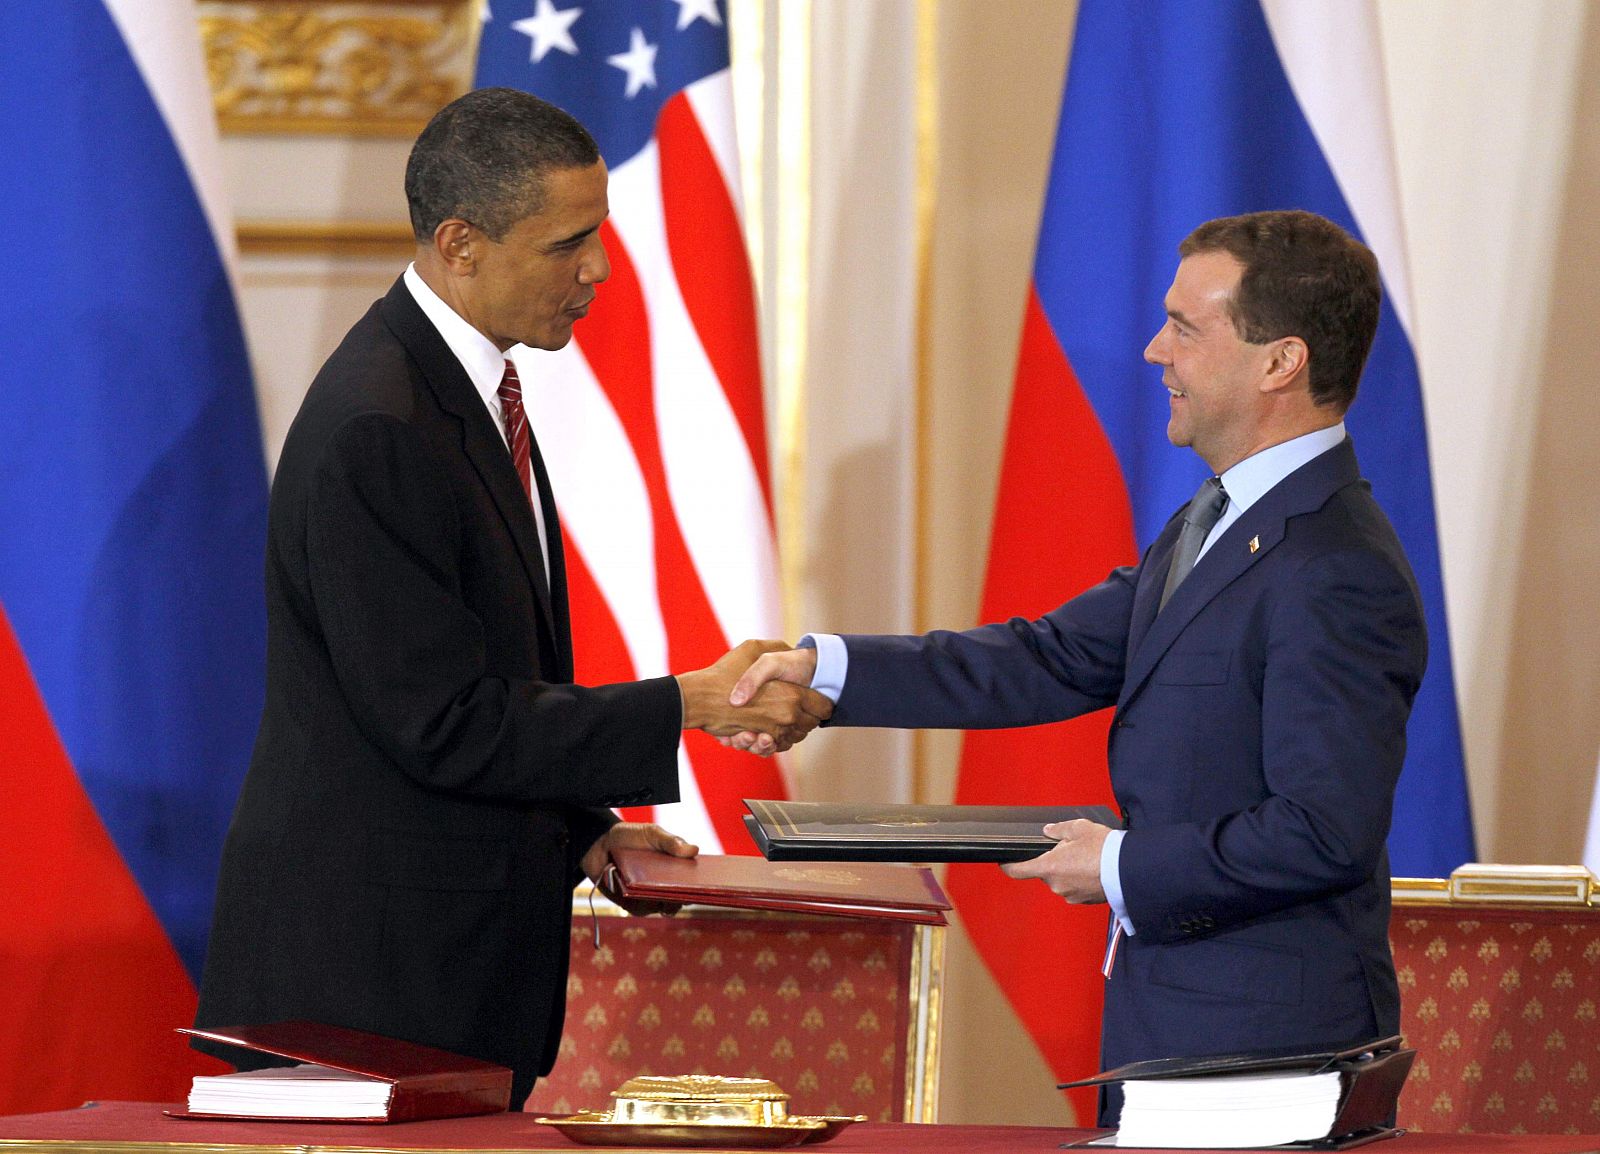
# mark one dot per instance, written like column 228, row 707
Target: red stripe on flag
column 708, row 256
column 602, row 656
column 612, row 341
column 90, row 983
column 1062, row 522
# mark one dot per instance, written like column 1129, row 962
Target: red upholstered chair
column 840, row 1012
column 1499, row 972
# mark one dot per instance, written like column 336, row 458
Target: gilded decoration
column 321, row 66
column 1498, row 968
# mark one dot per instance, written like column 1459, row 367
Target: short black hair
column 484, row 157
column 1305, row 277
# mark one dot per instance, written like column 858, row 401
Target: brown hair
column 1305, row 277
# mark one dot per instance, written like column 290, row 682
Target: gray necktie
column 1198, row 520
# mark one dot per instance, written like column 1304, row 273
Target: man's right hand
column 773, row 667
column 772, row 717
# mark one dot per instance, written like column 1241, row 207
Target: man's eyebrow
column 1178, row 315
column 581, row 234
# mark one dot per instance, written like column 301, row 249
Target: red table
column 140, row 1128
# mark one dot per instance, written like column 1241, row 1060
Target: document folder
column 423, row 1082
column 1371, row 1076
column 867, row 831
column 870, row 890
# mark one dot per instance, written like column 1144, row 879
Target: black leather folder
column 868, row 831
column 1371, row 1076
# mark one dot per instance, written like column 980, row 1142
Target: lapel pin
column 1255, row 543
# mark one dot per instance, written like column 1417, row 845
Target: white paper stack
column 1224, row 1111
column 304, row 1091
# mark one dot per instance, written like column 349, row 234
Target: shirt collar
column 1252, row 478
column 484, row 363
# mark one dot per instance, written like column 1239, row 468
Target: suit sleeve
column 1018, row 672
column 383, row 541
column 1345, row 654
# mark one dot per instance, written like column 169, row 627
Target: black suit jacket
column 1258, row 736
column 426, row 776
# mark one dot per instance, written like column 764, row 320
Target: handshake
column 757, row 697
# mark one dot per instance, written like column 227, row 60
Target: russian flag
column 1175, row 112
column 132, row 520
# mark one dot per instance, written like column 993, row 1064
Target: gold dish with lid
column 698, row 1110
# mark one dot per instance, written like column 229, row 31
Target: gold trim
column 1420, row 891
column 356, row 238
column 792, row 291
column 80, row 1146
column 1487, row 886
column 355, row 67
column 924, row 989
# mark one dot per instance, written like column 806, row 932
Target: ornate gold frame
column 352, row 67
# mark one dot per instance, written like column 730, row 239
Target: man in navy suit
column 1261, row 696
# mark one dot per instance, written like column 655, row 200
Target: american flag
column 651, row 421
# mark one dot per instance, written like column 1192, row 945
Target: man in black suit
column 428, row 784
column 1260, row 691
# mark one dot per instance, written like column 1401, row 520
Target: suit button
column 1186, row 926
column 1207, row 921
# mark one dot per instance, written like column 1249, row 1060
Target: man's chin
column 552, row 341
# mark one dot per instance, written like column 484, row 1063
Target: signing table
column 142, row 1128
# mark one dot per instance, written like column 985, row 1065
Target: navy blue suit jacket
column 1258, row 735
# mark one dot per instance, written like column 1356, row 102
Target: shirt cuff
column 833, row 661
column 1111, row 879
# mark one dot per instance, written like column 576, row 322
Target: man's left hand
column 1071, row 867
column 633, row 835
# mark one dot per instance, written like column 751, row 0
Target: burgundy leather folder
column 424, row 1082
column 845, row 889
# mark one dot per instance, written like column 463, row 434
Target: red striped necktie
column 530, row 470
column 517, row 430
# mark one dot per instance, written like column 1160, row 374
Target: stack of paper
column 304, row 1091
column 1232, row 1110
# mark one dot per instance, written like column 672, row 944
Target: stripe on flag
column 132, row 514
column 1175, row 112
column 652, row 421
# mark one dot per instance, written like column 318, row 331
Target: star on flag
column 639, row 62
column 549, row 28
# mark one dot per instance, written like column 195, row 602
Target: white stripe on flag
column 164, row 41
column 711, row 479
column 1332, row 53
column 711, row 101
column 601, row 494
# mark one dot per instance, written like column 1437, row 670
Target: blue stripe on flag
column 1175, row 112
column 132, row 482
column 586, row 82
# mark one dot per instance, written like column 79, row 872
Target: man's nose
column 1151, row 352
column 596, row 267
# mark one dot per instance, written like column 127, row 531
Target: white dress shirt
column 485, row 366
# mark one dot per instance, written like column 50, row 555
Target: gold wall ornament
column 324, row 66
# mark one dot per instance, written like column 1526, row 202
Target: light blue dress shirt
column 1245, row 483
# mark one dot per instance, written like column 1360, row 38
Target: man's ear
column 1288, row 365
column 454, row 241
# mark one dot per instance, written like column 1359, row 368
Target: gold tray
column 598, row 1129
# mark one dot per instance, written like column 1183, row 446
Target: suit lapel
column 1152, row 632
column 480, row 440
